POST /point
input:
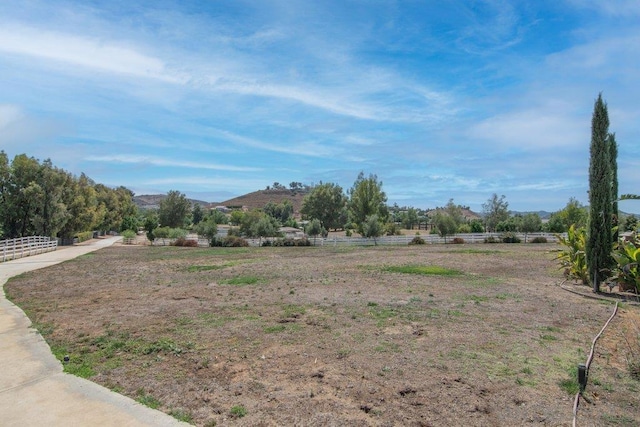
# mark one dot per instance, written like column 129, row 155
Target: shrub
column 234, row 242
column 161, row 232
column 267, row 243
column 457, row 240
column 392, row 229
column 464, row 228
column 491, row 239
column 627, row 258
column 182, row 241
column 177, row 233
column 233, row 231
column 288, row 241
column 539, row 239
column 303, row 242
column 510, row 237
column 129, row 234
column 417, row 241
column 84, row 236
column 573, row 258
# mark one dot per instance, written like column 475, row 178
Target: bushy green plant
column 539, row 239
column 128, row 236
column 182, row 241
column 176, row 233
column 464, row 228
column 161, row 232
column 84, row 236
column 238, row 411
column 417, row 241
column 303, row 242
column 491, row 239
column 573, row 257
column 234, row 231
column 234, row 242
column 392, row 229
column 627, row 257
column 288, row 241
column 510, row 238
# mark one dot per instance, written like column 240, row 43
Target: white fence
column 383, row 240
column 25, row 246
column 428, row 239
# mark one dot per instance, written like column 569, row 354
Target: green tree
column 631, row 223
column 219, row 217
column 613, row 168
column 496, row 209
column 21, row 196
column 281, row 211
column 51, row 213
column 445, row 224
column 314, row 228
column 5, row 183
column 151, row 223
column 599, row 237
column 114, row 204
column 327, row 203
column 373, row 228
column 410, row 218
column 476, row 226
column 367, row 199
column 455, row 212
column 248, row 220
column 574, row 213
column 197, row 214
column 174, row 210
column 207, row 228
column 531, row 223
column 235, row 218
column 511, row 224
column 266, row 226
column 82, row 205
column 129, row 223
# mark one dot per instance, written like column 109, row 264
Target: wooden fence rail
column 26, row 246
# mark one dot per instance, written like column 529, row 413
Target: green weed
column 238, row 411
column 182, row 415
column 241, row 281
column 147, row 400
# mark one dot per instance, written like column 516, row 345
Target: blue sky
column 440, row 99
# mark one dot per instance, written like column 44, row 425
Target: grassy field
column 424, row 335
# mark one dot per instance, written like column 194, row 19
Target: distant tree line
column 37, row 198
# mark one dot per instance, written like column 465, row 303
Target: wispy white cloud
column 618, row 8
column 156, row 161
column 21, row 131
column 298, row 148
column 84, row 51
column 530, row 130
column 205, row 182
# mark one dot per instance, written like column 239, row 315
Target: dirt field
column 436, row 335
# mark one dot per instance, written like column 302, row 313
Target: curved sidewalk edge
column 34, row 391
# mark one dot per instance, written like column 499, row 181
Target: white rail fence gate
column 26, row 246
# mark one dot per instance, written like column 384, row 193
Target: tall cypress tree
column 613, row 160
column 599, row 239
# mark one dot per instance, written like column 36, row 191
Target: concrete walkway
column 33, row 389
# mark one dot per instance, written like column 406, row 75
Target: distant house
column 222, row 209
column 292, row 232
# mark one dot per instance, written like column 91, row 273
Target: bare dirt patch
column 337, row 335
